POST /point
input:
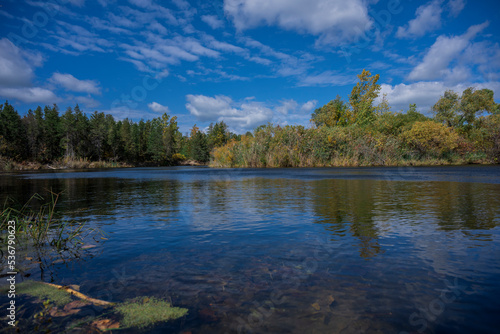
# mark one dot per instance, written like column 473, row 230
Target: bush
column 431, row 137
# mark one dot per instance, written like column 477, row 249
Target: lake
column 326, row 250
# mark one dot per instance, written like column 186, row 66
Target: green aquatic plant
column 139, row 312
column 43, row 226
column 146, row 311
column 44, row 292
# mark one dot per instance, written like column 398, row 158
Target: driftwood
column 79, row 294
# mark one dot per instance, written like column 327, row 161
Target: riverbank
column 11, row 165
column 357, row 163
column 354, row 146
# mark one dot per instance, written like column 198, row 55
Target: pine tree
column 52, row 133
column 13, row 141
column 98, row 134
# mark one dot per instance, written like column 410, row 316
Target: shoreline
column 11, row 166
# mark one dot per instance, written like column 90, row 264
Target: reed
column 43, row 226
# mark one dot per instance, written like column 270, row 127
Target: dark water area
column 327, row 250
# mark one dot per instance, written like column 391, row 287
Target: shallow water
column 328, row 250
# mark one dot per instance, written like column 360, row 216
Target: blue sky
column 247, row 62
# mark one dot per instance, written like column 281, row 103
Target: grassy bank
column 81, row 163
column 379, row 144
column 7, row 164
column 464, row 129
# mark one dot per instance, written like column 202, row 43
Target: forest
column 75, row 140
column 464, row 128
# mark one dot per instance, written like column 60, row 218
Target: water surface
column 328, row 250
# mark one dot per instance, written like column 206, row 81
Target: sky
column 244, row 62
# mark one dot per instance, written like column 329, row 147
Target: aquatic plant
column 140, row 312
column 42, row 227
column 44, row 292
column 146, row 311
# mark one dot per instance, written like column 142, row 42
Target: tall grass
column 381, row 144
column 43, row 226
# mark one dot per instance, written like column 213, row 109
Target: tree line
column 463, row 128
column 45, row 135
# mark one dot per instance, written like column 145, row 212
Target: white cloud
column 425, row 94
column 290, row 112
column 15, row 71
column 239, row 116
column 162, row 74
column 248, row 113
column 194, row 46
column 156, row 107
column 327, row 78
column 106, row 25
column 486, row 56
column 73, row 84
column 442, row 53
column 428, row 18
column 309, row 106
column 207, row 108
column 215, row 74
column 159, row 52
column 155, row 26
column 182, row 4
column 333, row 20
column 287, row 106
column 78, row 3
column 122, row 112
column 105, row 3
column 223, row 46
column 74, row 39
column 29, row 94
column 16, row 74
column 260, row 60
column 87, row 101
column 150, row 12
column 122, row 21
column 213, row 21
column 285, row 64
column 456, row 6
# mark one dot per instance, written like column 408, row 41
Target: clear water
column 333, row 250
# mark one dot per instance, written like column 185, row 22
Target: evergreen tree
column 218, row 135
column 114, row 141
column 170, row 135
column 52, row 133
column 81, row 134
column 199, row 145
column 109, row 151
column 33, row 123
column 155, row 141
column 13, row 141
column 68, row 123
column 98, row 134
column 126, row 139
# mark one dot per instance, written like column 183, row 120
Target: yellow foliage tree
column 362, row 97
